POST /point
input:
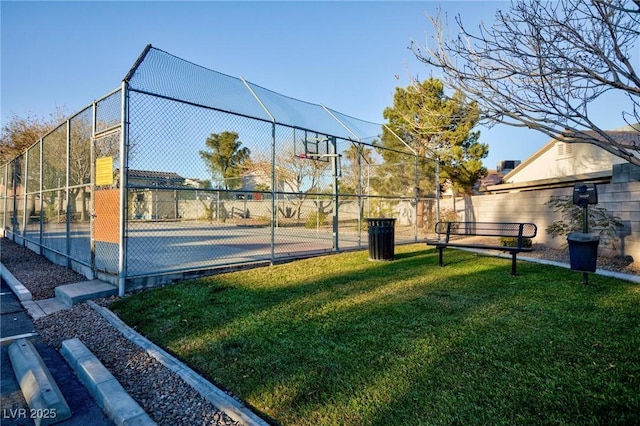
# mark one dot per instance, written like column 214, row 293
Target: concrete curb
column 38, row 386
column 31, row 370
column 21, row 292
column 603, row 272
column 221, row 400
column 104, row 387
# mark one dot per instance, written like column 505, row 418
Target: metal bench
column 518, row 231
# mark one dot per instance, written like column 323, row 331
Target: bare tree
column 19, row 133
column 357, row 156
column 294, row 176
column 542, row 64
column 299, row 176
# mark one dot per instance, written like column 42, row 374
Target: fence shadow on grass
column 405, row 340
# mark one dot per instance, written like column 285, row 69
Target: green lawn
column 340, row 340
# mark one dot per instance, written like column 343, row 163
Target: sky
column 348, row 56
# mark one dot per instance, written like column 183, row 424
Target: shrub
column 315, row 219
column 513, row 242
column 601, row 222
column 448, row 215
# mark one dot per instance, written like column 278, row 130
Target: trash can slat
column 381, row 238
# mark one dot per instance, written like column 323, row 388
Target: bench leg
column 440, row 249
column 513, row 263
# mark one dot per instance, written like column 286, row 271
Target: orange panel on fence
column 107, row 215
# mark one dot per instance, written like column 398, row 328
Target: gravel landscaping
column 160, row 392
column 37, row 273
column 166, row 398
column 624, row 265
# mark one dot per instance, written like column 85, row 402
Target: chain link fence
column 149, row 180
column 46, row 193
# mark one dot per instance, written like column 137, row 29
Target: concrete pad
column 107, row 391
column 33, row 309
column 49, row 306
column 72, row 294
column 38, row 386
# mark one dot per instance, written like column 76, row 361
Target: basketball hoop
column 325, row 158
column 316, row 156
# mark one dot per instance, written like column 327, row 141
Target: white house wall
column 555, row 162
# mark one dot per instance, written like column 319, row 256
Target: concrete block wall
column 620, row 199
column 623, row 200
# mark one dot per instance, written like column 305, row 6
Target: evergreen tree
column 225, row 158
column 436, row 128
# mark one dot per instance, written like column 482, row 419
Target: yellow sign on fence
column 104, row 171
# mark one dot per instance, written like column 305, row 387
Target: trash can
column 583, row 251
column 381, row 238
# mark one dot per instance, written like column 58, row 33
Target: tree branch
column 541, row 66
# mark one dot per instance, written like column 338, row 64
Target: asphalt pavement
column 14, row 411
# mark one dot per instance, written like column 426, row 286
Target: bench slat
column 487, row 229
column 480, row 246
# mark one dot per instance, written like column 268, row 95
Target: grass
column 339, row 340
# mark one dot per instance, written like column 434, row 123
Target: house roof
column 557, row 182
column 150, row 174
column 493, row 177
